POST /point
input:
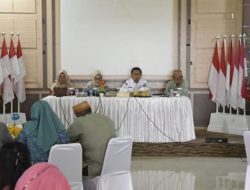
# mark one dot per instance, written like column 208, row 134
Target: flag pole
column 3, row 34
column 11, row 103
column 3, row 102
column 18, row 106
column 11, row 107
column 245, row 66
column 225, row 47
column 232, row 41
column 18, row 103
column 3, row 109
column 217, row 38
column 217, row 106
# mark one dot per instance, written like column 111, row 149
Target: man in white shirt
column 135, row 82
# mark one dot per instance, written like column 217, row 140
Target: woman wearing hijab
column 96, row 81
column 43, row 131
column 62, row 81
column 42, row 176
column 4, row 134
column 14, row 160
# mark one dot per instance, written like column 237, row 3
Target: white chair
column 68, row 158
column 246, row 135
column 115, row 174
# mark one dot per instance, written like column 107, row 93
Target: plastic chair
column 115, row 174
column 246, row 136
column 68, row 158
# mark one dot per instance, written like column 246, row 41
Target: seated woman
column 4, row 134
column 14, row 160
column 62, row 81
column 96, row 82
column 43, row 131
column 42, row 176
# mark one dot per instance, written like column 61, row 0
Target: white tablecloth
column 154, row 119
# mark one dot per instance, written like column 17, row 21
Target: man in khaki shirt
column 93, row 131
column 177, row 86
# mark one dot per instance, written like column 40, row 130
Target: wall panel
column 210, row 18
column 6, row 6
column 24, row 17
column 27, row 27
column 24, row 6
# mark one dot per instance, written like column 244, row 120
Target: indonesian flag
column 19, row 87
column 13, row 61
column 5, row 62
column 6, row 87
column 214, row 74
column 241, row 83
column 235, row 79
column 230, row 70
column 221, row 88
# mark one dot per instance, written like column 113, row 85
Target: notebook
column 59, row 92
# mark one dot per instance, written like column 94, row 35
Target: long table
column 154, row 119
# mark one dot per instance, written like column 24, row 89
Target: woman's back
column 43, row 131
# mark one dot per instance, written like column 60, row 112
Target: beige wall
column 210, row 18
column 24, row 17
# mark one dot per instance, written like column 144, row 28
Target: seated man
column 135, row 82
column 177, row 86
column 93, row 131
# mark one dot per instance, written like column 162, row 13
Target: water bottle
column 77, row 92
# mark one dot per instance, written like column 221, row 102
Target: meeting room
column 125, row 94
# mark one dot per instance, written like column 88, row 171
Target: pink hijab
column 42, row 176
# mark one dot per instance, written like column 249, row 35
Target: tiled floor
column 188, row 173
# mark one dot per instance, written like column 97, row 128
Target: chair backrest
column 246, row 135
column 68, row 158
column 118, row 155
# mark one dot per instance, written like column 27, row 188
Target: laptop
column 59, row 92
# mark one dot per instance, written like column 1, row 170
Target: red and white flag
column 235, row 80
column 241, row 82
column 7, row 87
column 13, row 61
column 230, row 70
column 221, row 88
column 214, row 74
column 19, row 87
column 6, row 68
